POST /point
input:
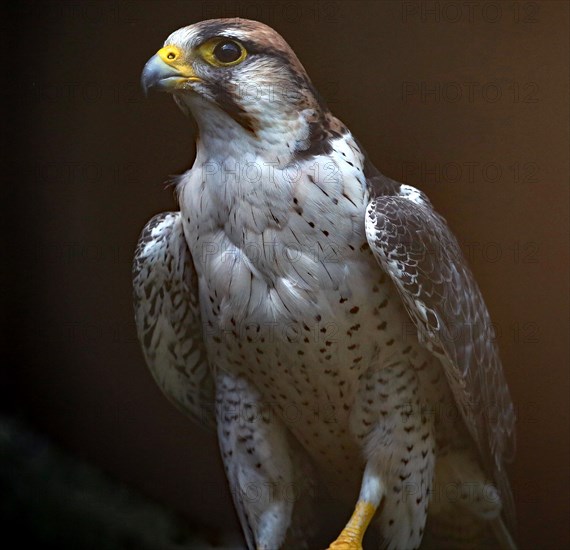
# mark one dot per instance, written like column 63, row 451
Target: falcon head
column 239, row 79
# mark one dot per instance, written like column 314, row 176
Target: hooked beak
column 166, row 72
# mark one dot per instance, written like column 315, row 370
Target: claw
column 352, row 535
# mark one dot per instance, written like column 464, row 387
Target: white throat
column 276, row 136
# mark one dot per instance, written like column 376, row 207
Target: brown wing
column 415, row 246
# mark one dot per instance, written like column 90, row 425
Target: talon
column 352, row 535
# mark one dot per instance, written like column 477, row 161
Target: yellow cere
column 169, row 54
column 173, row 56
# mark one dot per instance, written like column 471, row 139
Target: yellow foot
column 352, row 535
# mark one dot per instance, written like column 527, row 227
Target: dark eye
column 227, row 52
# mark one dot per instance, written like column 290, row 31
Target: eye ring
column 222, row 52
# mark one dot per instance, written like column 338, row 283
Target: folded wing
column 415, row 246
column 167, row 316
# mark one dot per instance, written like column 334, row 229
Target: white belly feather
column 290, row 294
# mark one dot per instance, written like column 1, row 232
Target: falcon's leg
column 397, row 434
column 371, row 493
column 258, row 462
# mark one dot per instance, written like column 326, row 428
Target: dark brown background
column 87, row 170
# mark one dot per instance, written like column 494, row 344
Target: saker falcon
column 317, row 314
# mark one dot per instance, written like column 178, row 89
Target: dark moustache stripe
column 226, row 101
